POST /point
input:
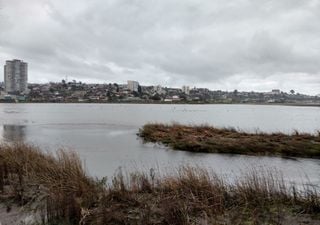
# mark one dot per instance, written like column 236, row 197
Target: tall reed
column 56, row 187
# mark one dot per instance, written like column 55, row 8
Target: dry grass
column 56, row 185
column 59, row 189
column 194, row 196
column 213, row 140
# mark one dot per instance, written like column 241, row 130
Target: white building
column 16, row 76
column 276, row 92
column 133, row 85
column 186, row 90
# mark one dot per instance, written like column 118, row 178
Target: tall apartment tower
column 186, row 90
column 16, row 76
column 133, row 85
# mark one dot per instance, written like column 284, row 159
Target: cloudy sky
column 236, row 44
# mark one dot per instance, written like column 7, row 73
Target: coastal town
column 16, row 88
column 132, row 92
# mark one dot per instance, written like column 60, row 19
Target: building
column 186, row 90
column 133, row 85
column 158, row 89
column 16, row 76
column 276, row 92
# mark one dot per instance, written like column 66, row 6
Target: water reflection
column 13, row 133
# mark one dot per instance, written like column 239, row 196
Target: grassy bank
column 57, row 188
column 213, row 140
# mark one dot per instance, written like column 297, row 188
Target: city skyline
column 133, row 84
column 246, row 45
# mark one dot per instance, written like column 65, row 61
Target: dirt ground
column 15, row 216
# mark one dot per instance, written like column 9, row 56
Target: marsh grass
column 195, row 196
column 229, row 140
column 57, row 187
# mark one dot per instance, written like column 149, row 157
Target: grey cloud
column 172, row 42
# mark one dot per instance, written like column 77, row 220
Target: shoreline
column 170, row 103
column 56, row 188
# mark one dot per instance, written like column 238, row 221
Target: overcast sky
column 236, row 44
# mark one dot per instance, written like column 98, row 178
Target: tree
column 292, row 92
column 235, row 92
column 156, row 97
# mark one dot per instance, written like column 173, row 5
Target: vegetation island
column 216, row 140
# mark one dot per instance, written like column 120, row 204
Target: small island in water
column 209, row 139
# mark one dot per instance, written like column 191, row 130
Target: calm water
column 105, row 134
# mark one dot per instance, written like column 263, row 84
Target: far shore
column 172, row 103
column 209, row 139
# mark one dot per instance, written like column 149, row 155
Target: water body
column 105, row 135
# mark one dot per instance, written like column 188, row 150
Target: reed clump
column 57, row 187
column 209, row 139
column 195, row 196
